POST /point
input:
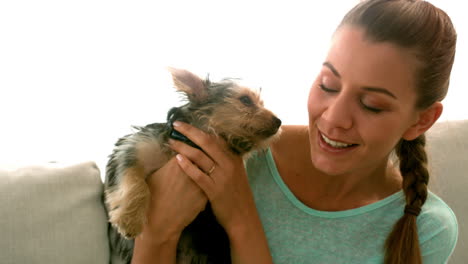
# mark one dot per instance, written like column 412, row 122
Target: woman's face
column 361, row 103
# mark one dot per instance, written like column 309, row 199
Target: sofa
column 54, row 213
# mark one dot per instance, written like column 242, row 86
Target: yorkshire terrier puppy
column 225, row 109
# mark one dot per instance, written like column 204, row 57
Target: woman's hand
column 222, row 176
column 219, row 172
column 175, row 199
column 175, row 202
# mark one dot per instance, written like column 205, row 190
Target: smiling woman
column 76, row 75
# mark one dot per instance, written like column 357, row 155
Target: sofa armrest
column 53, row 214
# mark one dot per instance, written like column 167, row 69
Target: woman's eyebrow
column 379, row 90
column 330, row 66
column 367, row 88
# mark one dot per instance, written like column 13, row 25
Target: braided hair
column 403, row 240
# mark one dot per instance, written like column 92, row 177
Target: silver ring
column 211, row 170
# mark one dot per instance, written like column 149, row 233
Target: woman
column 329, row 192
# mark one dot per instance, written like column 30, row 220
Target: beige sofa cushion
column 52, row 214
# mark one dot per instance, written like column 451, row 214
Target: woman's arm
column 248, row 240
column 158, row 250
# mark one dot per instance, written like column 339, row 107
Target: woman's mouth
column 333, row 145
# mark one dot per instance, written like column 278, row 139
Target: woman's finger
column 196, row 156
column 204, row 181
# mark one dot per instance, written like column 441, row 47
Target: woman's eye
column 326, row 89
column 371, row 109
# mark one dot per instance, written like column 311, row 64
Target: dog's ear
column 190, row 84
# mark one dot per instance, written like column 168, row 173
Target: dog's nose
column 276, row 121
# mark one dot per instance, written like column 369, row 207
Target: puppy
column 225, row 109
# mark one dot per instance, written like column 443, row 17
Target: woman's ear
column 425, row 121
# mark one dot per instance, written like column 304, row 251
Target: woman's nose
column 338, row 113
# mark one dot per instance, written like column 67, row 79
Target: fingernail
column 179, row 157
column 176, row 123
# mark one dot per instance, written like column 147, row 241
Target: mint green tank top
column 299, row 234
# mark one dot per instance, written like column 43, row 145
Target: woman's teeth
column 335, row 144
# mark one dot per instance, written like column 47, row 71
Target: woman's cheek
column 315, row 101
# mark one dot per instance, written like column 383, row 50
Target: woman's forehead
column 360, row 61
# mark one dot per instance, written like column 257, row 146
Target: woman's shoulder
column 291, row 135
column 293, row 130
column 437, row 227
column 437, row 215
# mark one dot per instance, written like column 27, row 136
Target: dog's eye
column 246, row 100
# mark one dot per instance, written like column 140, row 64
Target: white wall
column 74, row 75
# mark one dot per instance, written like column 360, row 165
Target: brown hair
column 428, row 33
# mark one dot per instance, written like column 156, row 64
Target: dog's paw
column 126, row 225
column 128, row 204
column 128, row 232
